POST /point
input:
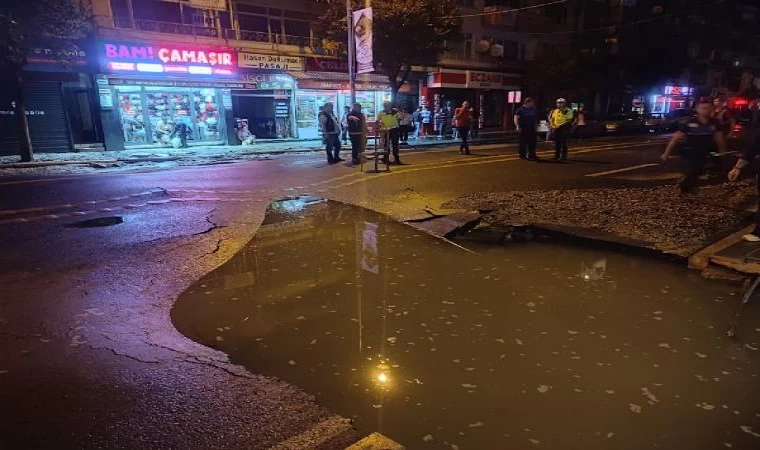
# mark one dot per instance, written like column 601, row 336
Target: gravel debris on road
column 659, row 216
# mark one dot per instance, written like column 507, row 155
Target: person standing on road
column 330, row 127
column 417, row 121
column 561, row 121
column 405, row 125
column 702, row 136
column 462, row 122
column 356, row 123
column 344, row 125
column 746, row 159
column 387, row 122
column 526, row 123
column 427, row 117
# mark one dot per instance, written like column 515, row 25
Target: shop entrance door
column 308, row 104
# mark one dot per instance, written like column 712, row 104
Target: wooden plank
column 736, row 264
column 701, row 259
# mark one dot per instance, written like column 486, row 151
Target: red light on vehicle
column 741, row 102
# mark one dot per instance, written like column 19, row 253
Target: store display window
column 149, row 115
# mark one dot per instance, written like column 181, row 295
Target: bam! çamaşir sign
column 271, row 62
column 169, row 59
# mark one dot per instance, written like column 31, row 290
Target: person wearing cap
column 387, row 121
column 561, row 121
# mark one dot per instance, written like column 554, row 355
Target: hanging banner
column 362, row 28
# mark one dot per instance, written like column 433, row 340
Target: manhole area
column 97, row 222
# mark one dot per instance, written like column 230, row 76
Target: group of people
column 561, row 121
column 393, row 125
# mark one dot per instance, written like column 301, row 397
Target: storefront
column 268, row 107
column 486, row 91
column 59, row 99
column 326, row 80
column 147, row 90
column 670, row 98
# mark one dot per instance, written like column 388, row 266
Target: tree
column 406, row 33
column 24, row 24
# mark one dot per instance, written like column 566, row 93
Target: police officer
column 701, row 136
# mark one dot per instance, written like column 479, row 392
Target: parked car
column 654, row 122
column 623, row 124
column 673, row 119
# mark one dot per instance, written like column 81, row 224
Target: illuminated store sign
column 167, row 59
column 678, row 90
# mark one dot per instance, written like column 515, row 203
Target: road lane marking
column 483, row 159
column 14, row 212
column 624, row 169
column 462, row 163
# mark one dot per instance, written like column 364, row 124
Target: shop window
column 149, row 115
column 511, row 50
column 253, row 23
column 298, row 15
column 119, row 8
column 297, row 28
column 131, row 111
column 157, row 10
column 245, row 8
column 275, row 26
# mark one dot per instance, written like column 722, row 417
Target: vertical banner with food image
column 362, row 29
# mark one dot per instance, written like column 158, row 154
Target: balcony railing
column 175, row 28
column 227, row 33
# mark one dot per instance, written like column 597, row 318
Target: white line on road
column 624, row 169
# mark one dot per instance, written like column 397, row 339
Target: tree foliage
column 25, row 24
column 406, row 32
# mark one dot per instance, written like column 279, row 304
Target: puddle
column 520, row 346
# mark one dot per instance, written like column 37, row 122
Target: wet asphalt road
column 89, row 352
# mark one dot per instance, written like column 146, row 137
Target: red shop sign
column 317, row 64
column 123, row 57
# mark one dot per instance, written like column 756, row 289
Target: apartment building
column 214, row 64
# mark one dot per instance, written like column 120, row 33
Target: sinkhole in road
column 517, row 346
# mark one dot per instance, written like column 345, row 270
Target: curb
column 233, row 157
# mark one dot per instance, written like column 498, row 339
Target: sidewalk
column 65, row 163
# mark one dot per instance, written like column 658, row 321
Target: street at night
column 482, row 346
column 380, row 224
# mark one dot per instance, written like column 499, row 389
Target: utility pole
column 351, row 51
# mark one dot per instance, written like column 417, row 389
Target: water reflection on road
column 530, row 345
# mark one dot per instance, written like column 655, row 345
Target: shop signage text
column 484, row 80
column 316, row 64
column 341, row 85
column 169, row 59
column 181, row 83
column 271, row 62
column 268, row 81
column 678, row 90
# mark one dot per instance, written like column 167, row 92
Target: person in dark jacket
column 356, row 123
column 526, row 123
column 701, row 136
column 748, row 155
column 330, row 127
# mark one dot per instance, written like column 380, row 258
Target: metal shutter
column 48, row 124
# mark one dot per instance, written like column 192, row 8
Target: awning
column 340, row 81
